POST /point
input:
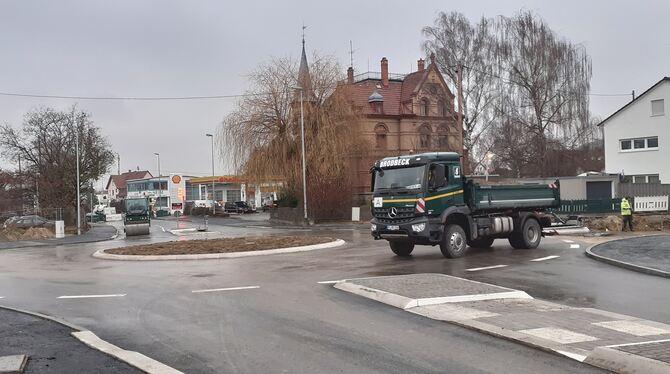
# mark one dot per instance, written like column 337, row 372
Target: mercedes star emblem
column 393, row 212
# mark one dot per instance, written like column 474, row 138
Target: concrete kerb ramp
column 588, row 335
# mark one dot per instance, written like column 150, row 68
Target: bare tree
column 262, row 135
column 46, row 146
column 549, row 81
column 459, row 44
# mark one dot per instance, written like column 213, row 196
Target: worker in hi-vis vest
column 627, row 214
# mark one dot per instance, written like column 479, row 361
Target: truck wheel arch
column 523, row 217
column 460, row 215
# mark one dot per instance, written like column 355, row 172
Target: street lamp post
column 160, row 192
column 213, row 194
column 304, row 172
column 76, row 141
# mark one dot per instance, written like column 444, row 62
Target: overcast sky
column 139, row 48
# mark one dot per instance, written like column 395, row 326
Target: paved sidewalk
column 648, row 254
column 98, row 232
column 51, row 348
column 604, row 339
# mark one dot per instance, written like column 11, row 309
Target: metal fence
column 643, row 189
column 593, row 206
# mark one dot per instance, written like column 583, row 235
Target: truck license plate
column 393, row 228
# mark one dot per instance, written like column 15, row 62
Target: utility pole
column 118, row 164
column 213, row 193
column 37, row 193
column 76, row 140
column 459, row 83
column 160, row 192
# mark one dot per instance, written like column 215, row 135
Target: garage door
column 599, row 190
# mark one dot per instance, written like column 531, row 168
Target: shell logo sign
column 176, row 179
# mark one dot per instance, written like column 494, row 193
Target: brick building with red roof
column 402, row 114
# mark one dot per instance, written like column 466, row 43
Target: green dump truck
column 137, row 220
column 424, row 199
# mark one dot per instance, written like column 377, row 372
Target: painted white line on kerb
column 90, row 296
column 545, row 258
column 226, row 289
column 568, row 241
column 330, row 282
column 574, row 246
column 486, row 268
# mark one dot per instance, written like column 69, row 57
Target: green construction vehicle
column 424, row 199
column 138, row 218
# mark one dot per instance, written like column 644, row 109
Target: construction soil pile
column 33, row 233
column 640, row 223
column 226, row 245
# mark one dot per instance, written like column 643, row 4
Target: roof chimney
column 350, row 75
column 420, row 65
column 385, row 72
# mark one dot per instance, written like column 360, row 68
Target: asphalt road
column 290, row 323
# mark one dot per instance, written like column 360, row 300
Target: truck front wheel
column 529, row 237
column 402, row 248
column 454, row 241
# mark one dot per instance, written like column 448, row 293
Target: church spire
column 304, row 79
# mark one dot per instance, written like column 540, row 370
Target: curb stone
column 108, row 256
column 624, row 362
column 87, row 337
column 627, row 265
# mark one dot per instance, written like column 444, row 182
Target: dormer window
column 376, row 101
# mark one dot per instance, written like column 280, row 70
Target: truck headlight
column 419, row 227
column 373, row 227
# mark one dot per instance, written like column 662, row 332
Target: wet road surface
column 269, row 314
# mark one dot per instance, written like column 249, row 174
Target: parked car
column 269, row 205
column 25, row 222
column 244, row 207
column 230, row 207
column 9, row 220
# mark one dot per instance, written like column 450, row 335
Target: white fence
column 651, row 204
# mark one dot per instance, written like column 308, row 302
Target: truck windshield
column 404, row 178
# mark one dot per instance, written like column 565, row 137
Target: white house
column 637, row 137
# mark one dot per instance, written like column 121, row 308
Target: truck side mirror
column 438, row 177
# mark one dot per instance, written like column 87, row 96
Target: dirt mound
column 33, row 233
column 609, row 223
column 37, row 233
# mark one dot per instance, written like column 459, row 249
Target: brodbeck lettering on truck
column 396, row 162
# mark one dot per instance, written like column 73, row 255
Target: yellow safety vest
column 625, row 207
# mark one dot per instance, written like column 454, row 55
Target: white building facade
column 637, row 137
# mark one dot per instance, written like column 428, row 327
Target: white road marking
column 544, row 258
column 633, row 327
column 162, row 228
column 90, row 296
column 568, row 241
column 330, row 282
column 574, row 246
column 2, row 297
column 573, row 356
column 226, row 289
column 486, row 268
column 557, row 335
column 638, row 343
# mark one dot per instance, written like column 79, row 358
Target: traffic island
column 219, row 248
column 615, row 342
column 646, row 254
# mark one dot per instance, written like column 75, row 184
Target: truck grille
column 404, row 214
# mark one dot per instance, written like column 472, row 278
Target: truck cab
column 425, row 199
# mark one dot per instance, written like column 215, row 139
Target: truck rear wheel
column 529, row 237
column 401, row 248
column 454, row 241
column 481, row 243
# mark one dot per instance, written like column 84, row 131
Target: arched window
column 442, row 109
column 424, row 136
column 381, row 132
column 443, row 138
column 424, row 107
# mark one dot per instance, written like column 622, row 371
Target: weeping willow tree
column 262, row 136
